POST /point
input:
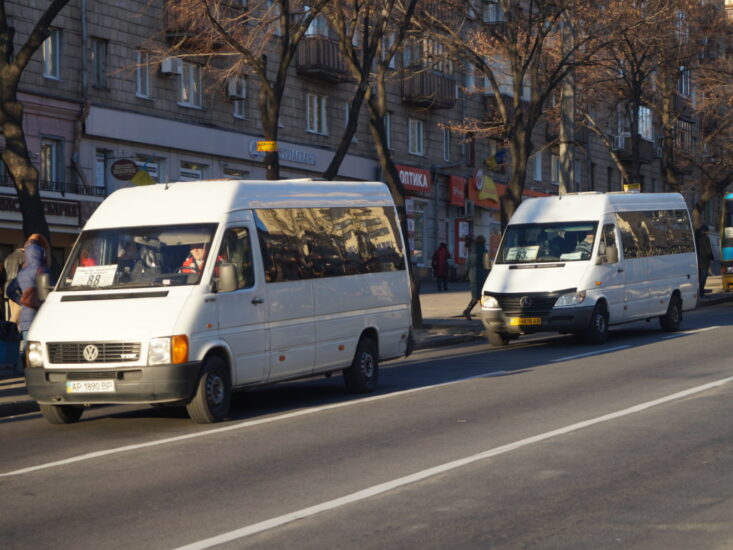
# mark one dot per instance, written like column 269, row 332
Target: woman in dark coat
column 476, row 272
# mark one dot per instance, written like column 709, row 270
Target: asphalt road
column 547, row 443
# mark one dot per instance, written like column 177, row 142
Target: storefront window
column 418, row 250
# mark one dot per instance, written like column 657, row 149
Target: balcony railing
column 319, row 57
column 429, row 89
column 60, row 187
column 646, row 149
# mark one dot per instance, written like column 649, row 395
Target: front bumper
column 156, row 384
column 570, row 319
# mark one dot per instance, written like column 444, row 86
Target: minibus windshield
column 129, row 257
column 547, row 242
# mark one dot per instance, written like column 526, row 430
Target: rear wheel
column 497, row 339
column 62, row 414
column 213, row 393
column 363, row 374
column 671, row 320
column 597, row 332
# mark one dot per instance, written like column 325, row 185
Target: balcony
column 683, row 106
column 62, row 187
column 623, row 147
column 428, row 89
column 318, row 57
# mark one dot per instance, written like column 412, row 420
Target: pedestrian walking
column 704, row 255
column 13, row 262
column 440, row 266
column 37, row 257
column 476, row 272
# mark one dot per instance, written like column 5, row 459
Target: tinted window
column 305, row 243
column 655, row 233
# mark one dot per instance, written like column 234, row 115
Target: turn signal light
column 179, row 349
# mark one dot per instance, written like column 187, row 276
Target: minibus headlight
column 168, row 350
column 159, row 351
column 489, row 302
column 34, row 354
column 570, row 299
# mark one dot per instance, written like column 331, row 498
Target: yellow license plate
column 517, row 321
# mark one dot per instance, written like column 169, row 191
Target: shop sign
column 414, row 179
column 123, row 169
column 266, row 146
column 56, row 211
column 286, row 154
column 457, row 189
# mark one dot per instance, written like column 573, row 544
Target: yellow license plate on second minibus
column 518, row 321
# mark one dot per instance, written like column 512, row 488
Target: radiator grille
column 107, row 352
column 528, row 303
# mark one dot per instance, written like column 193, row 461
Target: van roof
column 591, row 206
column 210, row 200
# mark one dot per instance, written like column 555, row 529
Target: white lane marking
column 597, row 352
column 436, row 470
column 238, row 426
column 686, row 332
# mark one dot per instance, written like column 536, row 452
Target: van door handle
column 257, row 300
column 620, row 270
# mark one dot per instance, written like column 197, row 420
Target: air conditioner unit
column 234, row 91
column 619, row 142
column 171, row 65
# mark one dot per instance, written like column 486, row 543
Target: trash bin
column 9, row 343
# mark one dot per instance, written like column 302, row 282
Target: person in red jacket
column 196, row 259
column 440, row 266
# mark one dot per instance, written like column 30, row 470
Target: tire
column 363, row 374
column 597, row 331
column 61, row 414
column 213, row 393
column 497, row 339
column 670, row 321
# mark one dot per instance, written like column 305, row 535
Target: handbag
column 30, row 298
column 12, row 291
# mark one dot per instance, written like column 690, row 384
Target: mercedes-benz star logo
column 525, row 302
column 90, row 353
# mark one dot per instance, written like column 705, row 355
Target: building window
column 52, row 55
column 51, row 160
column 235, row 173
column 645, row 123
column 418, row 238
column 191, row 93
column 416, row 137
column 554, row 170
column 142, row 74
column 99, row 63
column 237, row 91
column 191, row 171
column 470, row 79
column 100, row 169
column 446, row 145
column 538, row 166
column 315, row 114
column 385, row 45
column 347, row 118
column 684, row 136
column 388, row 129
column 318, row 25
column 684, row 87
column 493, row 13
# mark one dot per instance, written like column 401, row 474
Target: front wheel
column 213, row 393
column 597, row 331
column 363, row 374
column 497, row 339
column 671, row 320
column 61, row 414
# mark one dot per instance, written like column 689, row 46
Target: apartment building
column 102, row 113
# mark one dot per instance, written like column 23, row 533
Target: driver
column 194, row 262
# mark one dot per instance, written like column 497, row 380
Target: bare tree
column 517, row 48
column 261, row 39
column 16, row 155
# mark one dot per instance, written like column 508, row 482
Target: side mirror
column 43, row 285
column 227, row 278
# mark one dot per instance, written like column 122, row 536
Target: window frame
column 98, row 53
column 142, row 74
column 316, row 118
column 190, row 92
column 51, row 51
column 416, row 136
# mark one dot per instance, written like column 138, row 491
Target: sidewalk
column 443, row 325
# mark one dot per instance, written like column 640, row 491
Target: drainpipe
column 79, row 123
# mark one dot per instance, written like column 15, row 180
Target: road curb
column 21, row 406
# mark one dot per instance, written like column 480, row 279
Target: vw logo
column 525, row 302
column 90, row 353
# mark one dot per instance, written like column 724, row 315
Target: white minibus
column 181, row 293
column 578, row 263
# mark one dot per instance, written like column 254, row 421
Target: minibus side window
column 608, row 243
column 236, row 249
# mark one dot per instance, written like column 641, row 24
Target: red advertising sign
column 457, row 190
column 415, row 179
column 123, row 169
